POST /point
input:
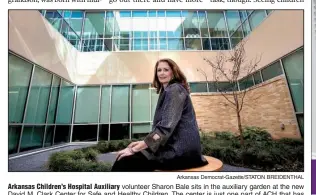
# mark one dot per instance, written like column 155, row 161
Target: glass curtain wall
column 142, row 30
column 46, row 110
column 39, row 110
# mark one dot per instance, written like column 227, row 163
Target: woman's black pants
column 139, row 163
column 134, row 163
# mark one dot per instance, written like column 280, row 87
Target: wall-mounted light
column 282, row 126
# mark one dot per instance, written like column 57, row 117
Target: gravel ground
column 37, row 162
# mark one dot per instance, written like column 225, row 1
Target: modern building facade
column 85, row 76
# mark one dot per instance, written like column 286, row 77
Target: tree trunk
column 240, row 129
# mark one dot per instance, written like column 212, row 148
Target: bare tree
column 230, row 68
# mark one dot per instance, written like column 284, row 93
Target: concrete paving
column 37, row 162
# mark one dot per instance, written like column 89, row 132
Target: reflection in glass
column 203, row 23
column 122, row 44
column 32, row 137
column 300, row 119
column 175, row 44
column 84, row 133
column 103, row 132
column 216, row 23
column 237, row 37
column 257, row 78
column 14, row 137
column 49, row 136
column 191, row 24
column 53, row 100
column 246, row 28
column 94, row 25
column 198, row 87
column 220, row 43
column 120, row 104
column 294, row 71
column 271, row 71
column 119, row 131
column 19, row 79
column 105, row 104
column 87, row 104
column 162, row 44
column 256, row 18
column 39, row 96
column 140, row 103
column 206, row 44
column 174, row 24
column 109, row 24
column 140, row 44
column 144, row 30
column 154, row 100
column 140, row 130
column 246, row 82
column 233, row 20
column 62, row 134
column 54, row 18
column 193, row 44
column 65, row 104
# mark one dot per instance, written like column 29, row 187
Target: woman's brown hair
column 178, row 75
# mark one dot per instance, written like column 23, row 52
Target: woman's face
column 164, row 72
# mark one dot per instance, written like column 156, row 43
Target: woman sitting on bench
column 174, row 143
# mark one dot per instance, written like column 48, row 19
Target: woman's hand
column 124, row 152
column 131, row 149
column 131, row 145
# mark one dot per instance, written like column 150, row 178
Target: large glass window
column 84, row 133
column 74, row 19
column 144, row 30
column 54, row 18
column 174, row 24
column 32, row 137
column 87, row 104
column 237, row 37
column 198, row 87
column 246, row 82
column 233, row 21
column 271, row 71
column 119, row 131
column 257, row 78
column 294, row 71
column 203, row 24
column 62, row 134
column 49, row 137
column 94, row 25
column 154, row 100
column 140, row 130
column 256, row 18
column 105, row 104
column 140, row 103
column 120, row 104
column 175, row 44
column 53, row 100
column 14, row 137
column 220, row 43
column 216, row 23
column 191, row 24
column 104, row 132
column 19, row 80
column 65, row 104
column 39, row 96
